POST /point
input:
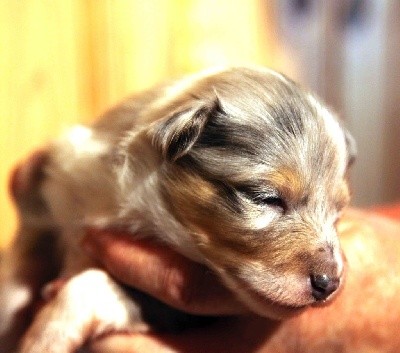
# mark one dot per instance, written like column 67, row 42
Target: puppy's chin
column 272, row 310
column 279, row 310
column 266, row 307
column 280, row 299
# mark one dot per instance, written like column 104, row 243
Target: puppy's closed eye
column 272, row 201
column 269, row 198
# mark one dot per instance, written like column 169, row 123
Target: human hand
column 238, row 334
column 175, row 280
column 162, row 273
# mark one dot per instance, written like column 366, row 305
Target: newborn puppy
column 238, row 169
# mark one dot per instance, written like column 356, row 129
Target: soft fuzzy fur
column 238, row 169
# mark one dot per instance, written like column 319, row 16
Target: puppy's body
column 237, row 169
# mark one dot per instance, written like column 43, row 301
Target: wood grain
column 63, row 62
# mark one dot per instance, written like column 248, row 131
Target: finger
column 162, row 273
column 133, row 343
column 233, row 335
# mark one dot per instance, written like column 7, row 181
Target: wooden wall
column 64, row 61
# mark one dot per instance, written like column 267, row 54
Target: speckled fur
column 239, row 169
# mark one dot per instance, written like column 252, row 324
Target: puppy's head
column 256, row 169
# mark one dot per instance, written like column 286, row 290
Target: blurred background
column 65, row 61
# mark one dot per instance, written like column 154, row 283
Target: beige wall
column 64, row 61
column 349, row 53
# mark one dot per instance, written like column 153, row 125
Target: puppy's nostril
column 323, row 286
column 320, row 282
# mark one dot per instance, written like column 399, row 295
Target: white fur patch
column 82, row 140
column 264, row 219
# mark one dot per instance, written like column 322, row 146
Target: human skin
column 364, row 317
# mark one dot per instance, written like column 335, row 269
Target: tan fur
column 289, row 181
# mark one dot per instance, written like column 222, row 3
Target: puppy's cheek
column 270, row 287
column 267, row 267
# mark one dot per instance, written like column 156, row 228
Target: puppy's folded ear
column 177, row 134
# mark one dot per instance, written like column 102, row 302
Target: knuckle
column 182, row 287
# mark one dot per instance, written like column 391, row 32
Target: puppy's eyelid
column 274, row 201
column 265, row 198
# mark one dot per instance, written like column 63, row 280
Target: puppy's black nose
column 322, row 286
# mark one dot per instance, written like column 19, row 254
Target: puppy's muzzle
column 326, row 276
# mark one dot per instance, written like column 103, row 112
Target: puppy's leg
column 31, row 260
column 25, row 267
column 89, row 304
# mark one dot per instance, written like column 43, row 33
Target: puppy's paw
column 50, row 340
column 87, row 306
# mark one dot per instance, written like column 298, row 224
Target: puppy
column 238, row 169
